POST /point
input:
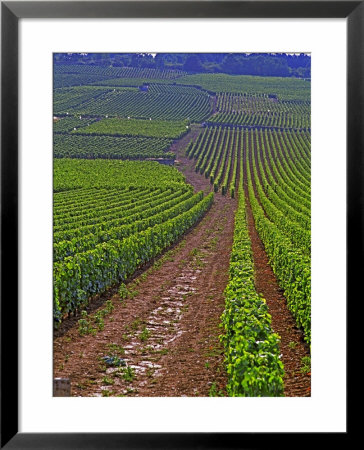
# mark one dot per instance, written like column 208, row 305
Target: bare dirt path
column 167, row 330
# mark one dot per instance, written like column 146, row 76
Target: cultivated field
column 182, row 233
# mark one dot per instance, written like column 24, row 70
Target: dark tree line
column 264, row 64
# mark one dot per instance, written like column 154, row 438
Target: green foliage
column 214, row 392
column 134, row 127
column 123, row 291
column 77, row 174
column 128, row 374
column 291, row 265
column 113, row 101
column 251, row 348
column 284, row 88
column 85, row 74
column 110, row 147
column 262, row 111
column 306, row 364
column 144, row 335
column 84, row 325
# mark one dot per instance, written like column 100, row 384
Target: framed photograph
column 119, row 82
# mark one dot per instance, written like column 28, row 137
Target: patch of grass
column 136, row 324
column 99, row 320
column 133, row 293
column 123, row 291
column 144, row 335
column 195, row 252
column 213, row 392
column 84, row 325
column 306, row 364
column 197, row 263
column 106, row 393
column 292, row 345
column 212, row 244
column 182, row 263
column 109, row 307
column 163, row 351
column 128, row 374
column 108, row 381
column 185, row 307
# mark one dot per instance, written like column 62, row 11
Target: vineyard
column 101, row 237
column 168, row 104
column 110, row 147
column 261, row 111
column 74, row 75
column 187, row 280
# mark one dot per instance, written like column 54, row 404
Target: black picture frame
column 11, row 12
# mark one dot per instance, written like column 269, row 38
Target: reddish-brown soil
column 167, row 329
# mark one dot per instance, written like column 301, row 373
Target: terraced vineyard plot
column 218, row 152
column 144, row 105
column 261, row 111
column 281, row 88
column 102, row 235
column 70, row 101
column 109, row 147
column 73, row 74
column 133, row 127
column 70, row 123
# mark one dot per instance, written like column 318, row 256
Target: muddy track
column 167, row 330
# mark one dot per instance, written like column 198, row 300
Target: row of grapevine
column 111, row 147
column 251, row 348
